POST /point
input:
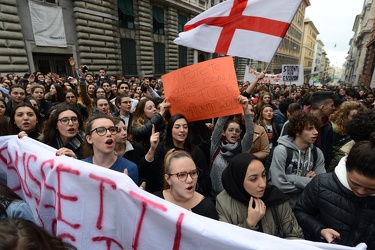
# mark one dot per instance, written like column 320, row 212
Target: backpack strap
column 289, row 156
column 315, row 156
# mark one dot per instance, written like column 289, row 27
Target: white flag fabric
column 245, row 28
column 48, row 25
column 96, row 208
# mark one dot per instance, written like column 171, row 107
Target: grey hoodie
column 291, row 179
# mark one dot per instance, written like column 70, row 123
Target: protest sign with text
column 251, row 74
column 96, row 208
column 204, row 90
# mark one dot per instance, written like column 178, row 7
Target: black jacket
column 327, row 203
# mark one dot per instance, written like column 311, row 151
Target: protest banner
column 251, row 74
column 290, row 72
column 96, row 208
column 204, row 90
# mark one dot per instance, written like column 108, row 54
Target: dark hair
column 118, row 99
column 14, row 130
column 361, row 125
column 299, row 121
column 96, row 90
column 5, row 104
column 321, row 98
column 15, row 86
column 50, row 131
column 361, row 157
column 88, row 148
column 4, row 125
column 188, row 144
column 24, row 234
column 70, row 91
column 284, row 104
column 353, row 94
column 59, row 93
column 100, row 98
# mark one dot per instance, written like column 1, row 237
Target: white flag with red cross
column 245, row 28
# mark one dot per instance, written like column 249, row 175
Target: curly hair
column 299, row 121
column 361, row 126
column 340, row 116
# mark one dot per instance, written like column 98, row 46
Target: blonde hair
column 340, row 116
column 173, row 154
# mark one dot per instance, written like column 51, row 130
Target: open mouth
column 190, row 188
column 109, row 142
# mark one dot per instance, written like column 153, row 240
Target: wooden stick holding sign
column 204, row 90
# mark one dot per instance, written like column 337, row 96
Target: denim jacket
column 18, row 209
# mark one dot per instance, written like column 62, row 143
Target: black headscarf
column 234, row 176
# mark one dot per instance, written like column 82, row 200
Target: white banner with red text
column 251, row 74
column 97, row 208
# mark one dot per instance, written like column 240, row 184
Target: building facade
column 359, row 66
column 128, row 37
column 308, row 48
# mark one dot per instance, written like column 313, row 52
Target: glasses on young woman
column 103, row 131
column 182, row 176
column 66, row 120
column 235, row 130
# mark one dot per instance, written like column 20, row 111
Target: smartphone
column 85, row 69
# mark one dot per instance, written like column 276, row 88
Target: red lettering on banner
column 67, row 236
column 112, row 184
column 2, row 157
column 44, row 163
column 60, row 169
column 108, row 241
column 26, row 161
column 145, row 202
column 177, row 237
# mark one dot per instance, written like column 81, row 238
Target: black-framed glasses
column 182, row 176
column 103, row 131
column 66, row 120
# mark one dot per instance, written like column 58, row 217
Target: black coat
column 327, row 203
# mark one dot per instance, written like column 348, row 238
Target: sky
column 334, row 20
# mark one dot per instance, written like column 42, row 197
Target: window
column 158, row 20
column 128, row 56
column 126, row 13
column 182, row 20
column 159, row 58
column 182, row 56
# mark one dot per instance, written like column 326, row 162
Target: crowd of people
column 298, row 161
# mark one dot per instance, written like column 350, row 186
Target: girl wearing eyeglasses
column 226, row 143
column 99, row 147
column 64, row 131
column 178, row 136
column 180, row 180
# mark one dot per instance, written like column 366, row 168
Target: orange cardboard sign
column 203, row 90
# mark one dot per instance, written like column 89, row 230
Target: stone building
column 308, row 49
column 359, row 68
column 129, row 37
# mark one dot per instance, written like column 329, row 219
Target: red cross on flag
column 245, row 28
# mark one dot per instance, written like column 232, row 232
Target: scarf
column 228, row 150
column 74, row 144
column 233, row 178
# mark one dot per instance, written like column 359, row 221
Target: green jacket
column 234, row 212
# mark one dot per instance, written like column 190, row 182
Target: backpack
column 289, row 154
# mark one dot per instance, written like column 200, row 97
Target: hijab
column 233, row 178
